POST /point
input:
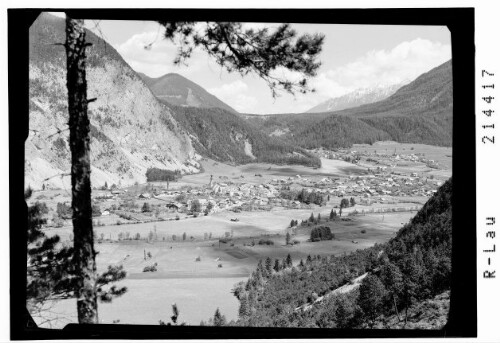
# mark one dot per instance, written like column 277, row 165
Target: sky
column 353, row 56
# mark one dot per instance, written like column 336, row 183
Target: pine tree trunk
column 396, row 308
column 406, row 316
column 84, row 253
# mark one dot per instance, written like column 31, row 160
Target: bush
column 58, row 222
column 146, row 207
column 181, row 198
column 64, row 211
column 151, row 268
column 196, row 206
column 265, row 242
column 363, row 231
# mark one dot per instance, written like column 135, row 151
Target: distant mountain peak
column 358, row 97
column 175, row 89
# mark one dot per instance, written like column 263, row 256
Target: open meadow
column 198, row 275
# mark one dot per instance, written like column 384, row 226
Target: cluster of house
column 220, row 196
column 216, row 196
column 354, row 157
column 366, row 186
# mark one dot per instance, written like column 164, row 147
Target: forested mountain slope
column 225, row 136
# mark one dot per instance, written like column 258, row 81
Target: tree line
column 157, row 174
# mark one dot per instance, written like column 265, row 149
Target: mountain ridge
column 419, row 112
column 178, row 90
column 356, row 98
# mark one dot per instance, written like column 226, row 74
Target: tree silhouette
column 79, row 142
column 51, row 271
column 245, row 50
column 235, row 48
column 277, row 266
column 343, row 204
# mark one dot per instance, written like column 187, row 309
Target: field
column 199, row 287
column 198, row 272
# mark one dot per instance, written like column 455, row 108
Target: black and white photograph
column 197, row 170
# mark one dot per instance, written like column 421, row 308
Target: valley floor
column 199, row 272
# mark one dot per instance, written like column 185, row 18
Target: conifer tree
column 244, row 309
column 235, row 48
column 79, row 139
column 392, row 278
column 219, row 319
column 311, row 218
column 276, row 265
column 371, row 297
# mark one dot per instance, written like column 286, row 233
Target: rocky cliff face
column 127, row 135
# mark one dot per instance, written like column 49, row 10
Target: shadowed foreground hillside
column 395, row 280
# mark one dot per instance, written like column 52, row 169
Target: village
column 377, row 179
column 155, row 202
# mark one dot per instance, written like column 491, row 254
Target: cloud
column 404, row 62
column 158, row 59
column 401, row 64
column 234, row 94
